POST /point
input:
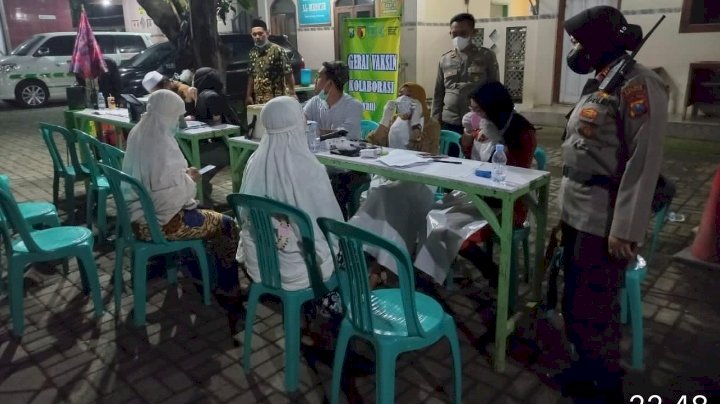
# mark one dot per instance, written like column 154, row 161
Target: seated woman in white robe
column 284, row 169
column 395, row 210
column 455, row 225
column 153, row 156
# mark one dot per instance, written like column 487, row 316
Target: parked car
column 161, row 57
column 38, row 69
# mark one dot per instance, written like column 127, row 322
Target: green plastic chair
column 99, row 189
column 660, row 218
column 35, row 213
column 631, row 297
column 366, row 127
column 394, row 321
column 447, row 138
column 69, row 173
column 111, row 156
column 540, row 158
column 259, row 212
column 43, row 245
column 142, row 251
column 520, row 237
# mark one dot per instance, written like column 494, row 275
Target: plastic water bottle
column 499, row 163
column 313, row 136
column 101, row 101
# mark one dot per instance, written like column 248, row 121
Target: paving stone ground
column 185, row 353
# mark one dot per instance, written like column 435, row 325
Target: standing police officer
column 461, row 70
column 612, row 156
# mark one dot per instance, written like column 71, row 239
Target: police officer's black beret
column 603, row 26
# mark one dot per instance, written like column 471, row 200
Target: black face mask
column 580, row 61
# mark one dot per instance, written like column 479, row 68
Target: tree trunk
column 206, row 46
column 163, row 15
column 200, row 45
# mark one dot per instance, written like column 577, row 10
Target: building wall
column 317, row 43
column 670, row 49
column 136, row 20
column 425, row 38
column 26, row 18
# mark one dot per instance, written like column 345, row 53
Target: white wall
column 317, row 44
column 539, row 55
column 441, row 11
column 539, row 62
column 316, row 47
column 424, row 38
column 136, row 20
column 649, row 4
column 673, row 51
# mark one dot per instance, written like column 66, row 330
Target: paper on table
column 195, row 124
column 121, row 112
column 402, row 158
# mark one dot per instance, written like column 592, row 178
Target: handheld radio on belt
column 617, row 74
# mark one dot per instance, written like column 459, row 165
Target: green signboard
column 371, row 48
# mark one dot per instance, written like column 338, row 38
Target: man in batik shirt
column 269, row 74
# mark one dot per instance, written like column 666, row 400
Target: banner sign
column 371, row 48
column 314, row 12
column 388, row 8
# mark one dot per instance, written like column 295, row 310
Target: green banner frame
column 371, row 48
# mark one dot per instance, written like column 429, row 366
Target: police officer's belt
column 588, row 179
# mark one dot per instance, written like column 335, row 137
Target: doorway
column 571, row 83
column 345, row 9
column 283, row 20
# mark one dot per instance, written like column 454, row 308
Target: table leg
column 195, row 162
column 501, row 318
column 70, row 120
column 537, row 203
column 239, row 157
column 119, row 138
column 541, row 227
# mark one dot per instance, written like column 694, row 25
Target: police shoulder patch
column 636, row 99
column 589, row 113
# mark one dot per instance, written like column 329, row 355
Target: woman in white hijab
column 284, row 169
column 154, row 157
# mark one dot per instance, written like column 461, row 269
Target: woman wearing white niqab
column 153, row 156
column 284, row 169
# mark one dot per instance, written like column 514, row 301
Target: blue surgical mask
column 323, row 95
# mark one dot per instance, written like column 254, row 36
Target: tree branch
column 163, row 16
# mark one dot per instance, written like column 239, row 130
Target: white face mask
column 404, row 105
column 460, row 42
column 490, row 130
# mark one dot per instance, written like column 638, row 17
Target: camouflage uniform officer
column 270, row 73
column 612, row 155
column 461, row 70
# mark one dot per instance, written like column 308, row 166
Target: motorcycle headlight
column 8, row 67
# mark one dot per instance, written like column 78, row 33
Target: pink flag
column 87, row 58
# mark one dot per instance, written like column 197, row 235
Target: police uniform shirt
column 603, row 131
column 459, row 74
